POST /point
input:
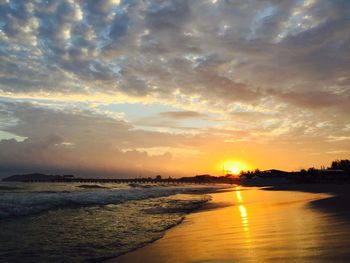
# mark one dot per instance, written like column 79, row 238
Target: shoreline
column 337, row 203
column 207, row 205
column 151, row 252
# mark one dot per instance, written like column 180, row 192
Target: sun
column 234, row 167
column 235, row 170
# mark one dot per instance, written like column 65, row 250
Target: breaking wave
column 26, row 203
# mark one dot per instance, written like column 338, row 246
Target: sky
column 120, row 88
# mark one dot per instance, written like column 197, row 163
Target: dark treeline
column 340, row 165
column 337, row 172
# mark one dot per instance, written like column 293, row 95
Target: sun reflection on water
column 238, row 195
column 244, row 215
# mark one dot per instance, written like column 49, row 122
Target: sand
column 245, row 226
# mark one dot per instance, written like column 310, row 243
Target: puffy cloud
column 234, row 50
column 267, row 67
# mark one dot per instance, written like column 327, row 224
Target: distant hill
column 31, row 177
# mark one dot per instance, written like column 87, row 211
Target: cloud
column 76, row 140
column 266, row 67
column 182, row 114
column 234, row 51
column 318, row 99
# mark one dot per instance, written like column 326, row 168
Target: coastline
column 187, row 241
column 103, row 223
column 337, row 203
column 144, row 253
column 207, row 205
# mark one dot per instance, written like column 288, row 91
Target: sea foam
column 26, row 203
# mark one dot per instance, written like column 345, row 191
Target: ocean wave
column 103, row 231
column 27, row 203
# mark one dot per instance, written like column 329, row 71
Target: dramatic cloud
column 90, row 85
column 78, row 140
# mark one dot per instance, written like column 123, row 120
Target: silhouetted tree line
column 207, row 178
column 339, row 171
column 341, row 165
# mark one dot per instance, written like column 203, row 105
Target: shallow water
column 69, row 223
column 253, row 225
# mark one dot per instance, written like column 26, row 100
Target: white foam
column 26, row 203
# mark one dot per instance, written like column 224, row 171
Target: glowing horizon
column 234, row 167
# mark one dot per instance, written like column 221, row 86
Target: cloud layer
column 228, row 71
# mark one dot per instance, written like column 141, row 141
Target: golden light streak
column 239, row 196
column 244, row 215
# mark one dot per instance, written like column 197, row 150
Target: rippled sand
column 252, row 225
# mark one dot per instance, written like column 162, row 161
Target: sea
column 74, row 222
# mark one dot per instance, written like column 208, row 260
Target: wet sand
column 253, row 225
column 337, row 204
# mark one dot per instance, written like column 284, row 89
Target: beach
column 70, row 222
column 248, row 224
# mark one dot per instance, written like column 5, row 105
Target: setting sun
column 234, row 167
